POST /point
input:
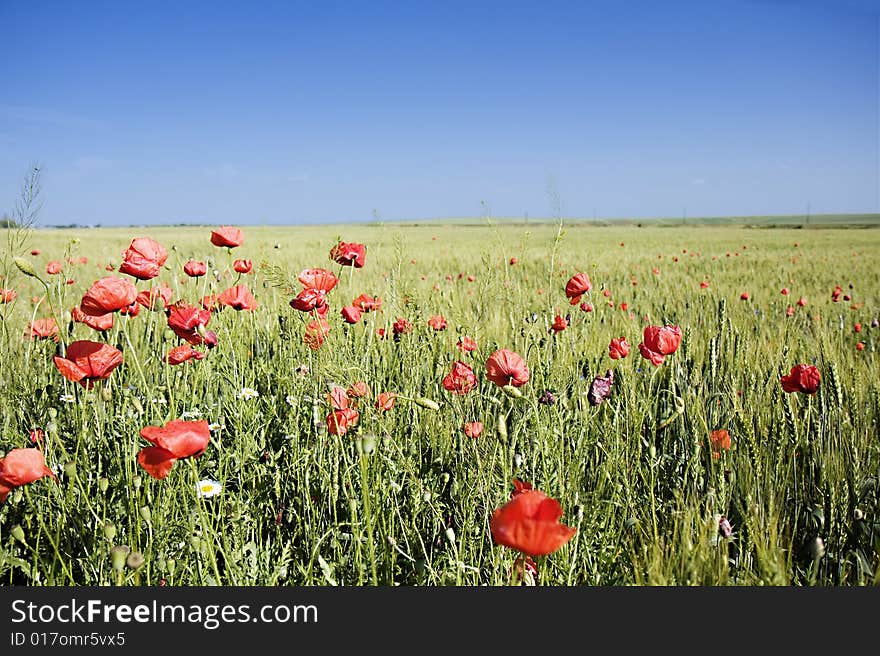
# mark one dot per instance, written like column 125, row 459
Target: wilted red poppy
column 101, row 323
column 176, row 440
column 351, row 314
column 618, row 348
column 54, row 267
column 316, row 332
column 437, row 322
column 803, row 378
column 238, row 298
column 143, row 259
column 108, row 295
column 504, row 367
column 401, row 327
column 227, row 237
column 349, row 254
column 194, row 268
column 86, row 362
column 385, row 401
column 7, row 295
column 182, row 353
column 600, row 388
column 466, row 344
column 20, row 467
column 188, row 322
column 560, row 323
column 243, row 266
column 529, row 523
column 578, row 285
column 357, row 390
column 720, row 440
column 460, row 380
column 367, row 303
column 156, row 298
column 339, row 421
column 43, row 329
column 659, row 342
column 473, row 429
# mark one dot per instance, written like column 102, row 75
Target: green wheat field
column 404, row 496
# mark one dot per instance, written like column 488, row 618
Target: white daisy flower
column 215, row 427
column 291, row 400
column 208, row 488
column 67, row 398
column 248, row 393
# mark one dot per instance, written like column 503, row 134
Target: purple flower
column 600, row 388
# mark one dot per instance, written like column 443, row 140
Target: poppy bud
column 109, row 530
column 136, row 482
column 146, row 514
column 25, row 267
column 501, row 424
column 428, row 403
column 103, row 484
column 512, row 392
column 118, row 556
column 17, row 532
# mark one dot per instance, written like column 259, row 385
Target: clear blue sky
column 290, row 112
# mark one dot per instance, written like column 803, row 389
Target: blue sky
column 304, row 112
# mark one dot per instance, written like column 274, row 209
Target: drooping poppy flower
column 54, row 267
column 473, row 429
column 86, row 362
column 385, row 401
column 238, row 298
column 101, row 323
column 600, row 388
column 367, row 303
column 803, row 378
column 466, row 344
column 43, row 329
column 618, row 348
column 529, row 523
column 578, row 285
column 176, row 440
column 188, row 322
column 658, row 342
column 195, row 268
column 720, row 441
column 339, row 421
column 183, row 353
column 401, row 327
column 20, row 467
column 156, row 298
column 108, row 295
column 7, row 295
column 349, row 254
column 143, row 259
column 437, row 322
column 560, row 323
column 460, row 380
column 243, row 266
column 351, row 314
column 504, row 367
column 316, row 332
column 357, row 390
column 227, row 237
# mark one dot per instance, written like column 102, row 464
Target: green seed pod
column 501, row 424
column 136, row 482
column 106, row 393
column 512, row 392
column 103, row 484
column 109, row 530
column 146, row 514
column 17, row 532
column 428, row 403
column 118, row 556
column 135, row 560
column 25, row 267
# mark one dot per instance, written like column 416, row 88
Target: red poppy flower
column 20, row 467
column 183, row 353
column 789, row 311
column 385, row 401
column 319, row 279
column 618, row 348
column 338, row 398
column 101, row 323
column 176, row 440
column 504, row 367
column 606, row 293
column 316, row 332
column 835, row 295
column 108, row 295
column 309, row 299
column 460, row 380
column 156, row 298
column 238, row 298
column 860, row 346
column 401, row 326
column 513, row 261
column 209, row 302
column 720, row 440
column 785, row 291
column 349, row 254
column 744, row 296
column 803, row 378
column 577, row 286
column 188, row 322
column 473, row 429
column 529, row 523
column 357, row 390
column 339, row 421
column 802, row 301
column 227, row 237
column 351, row 314
column 194, row 268
column 7, row 295
column 586, row 307
column 466, row 344
column 519, row 487
column 659, row 342
column 54, row 267
column 437, row 322
column 367, row 303
column 243, row 266
column 559, row 324
column 36, row 252
column 857, row 327
column 86, row 362
column 131, row 310
column 704, row 285
column 43, row 329
column 143, row 259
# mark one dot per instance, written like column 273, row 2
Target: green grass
column 635, row 476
